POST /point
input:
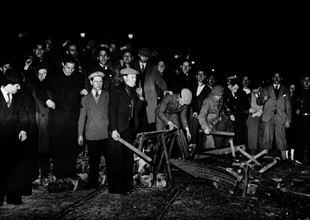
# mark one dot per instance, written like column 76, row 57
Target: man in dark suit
column 200, row 92
column 277, row 114
column 151, row 81
column 14, row 125
column 93, row 123
column 125, row 103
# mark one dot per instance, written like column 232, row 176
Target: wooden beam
column 135, row 150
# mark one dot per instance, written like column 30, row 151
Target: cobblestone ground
column 188, row 198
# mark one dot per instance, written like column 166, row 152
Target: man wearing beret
column 210, row 113
column 125, row 104
column 171, row 112
column 93, row 124
column 14, row 125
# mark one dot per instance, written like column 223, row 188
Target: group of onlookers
column 61, row 100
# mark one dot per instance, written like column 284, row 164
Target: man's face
column 39, row 51
column 276, row 78
column 143, row 59
column 245, row 82
column 103, row 57
column 161, row 66
column 127, row 57
column 130, row 80
column 306, row 82
column 186, row 66
column 68, row 68
column 201, row 76
column 42, row 74
column 292, row 88
column 97, row 82
column 211, row 80
column 72, row 50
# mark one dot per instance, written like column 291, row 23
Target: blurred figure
column 254, row 119
column 302, row 128
column 246, row 81
column 41, row 116
column 290, row 132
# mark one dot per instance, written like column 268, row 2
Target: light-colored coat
column 93, row 118
column 280, row 104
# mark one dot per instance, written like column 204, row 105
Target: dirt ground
column 187, row 198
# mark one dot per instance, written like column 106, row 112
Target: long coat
column 63, row 120
column 123, row 117
column 152, row 79
column 12, row 120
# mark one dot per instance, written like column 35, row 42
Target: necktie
column 97, row 93
column 9, row 100
column 142, row 68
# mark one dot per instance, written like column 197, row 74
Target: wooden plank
column 135, row 150
column 226, row 150
column 220, row 133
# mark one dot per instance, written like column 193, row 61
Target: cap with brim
column 98, row 73
column 129, row 71
column 186, row 96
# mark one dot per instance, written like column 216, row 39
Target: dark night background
column 257, row 38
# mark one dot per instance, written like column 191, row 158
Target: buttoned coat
column 281, row 104
column 93, row 120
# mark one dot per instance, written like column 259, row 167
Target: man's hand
column 195, row 115
column 50, row 104
column 287, row 124
column 188, row 134
column 84, row 92
column 22, row 136
column 207, row 130
column 171, row 125
column 232, row 117
column 115, row 135
column 168, row 92
column 80, row 140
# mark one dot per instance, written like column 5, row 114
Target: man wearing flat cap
column 93, row 125
column 210, row 114
column 151, row 81
column 14, row 125
column 171, row 113
column 125, row 104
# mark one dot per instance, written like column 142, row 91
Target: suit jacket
column 281, row 105
column 151, row 79
column 93, row 118
column 119, row 111
column 169, row 105
column 198, row 100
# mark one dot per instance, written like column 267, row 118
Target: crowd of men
column 58, row 100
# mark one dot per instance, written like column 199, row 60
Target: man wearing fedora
column 125, row 104
column 93, row 124
column 14, row 125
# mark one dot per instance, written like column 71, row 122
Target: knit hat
column 217, row 90
column 186, row 96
